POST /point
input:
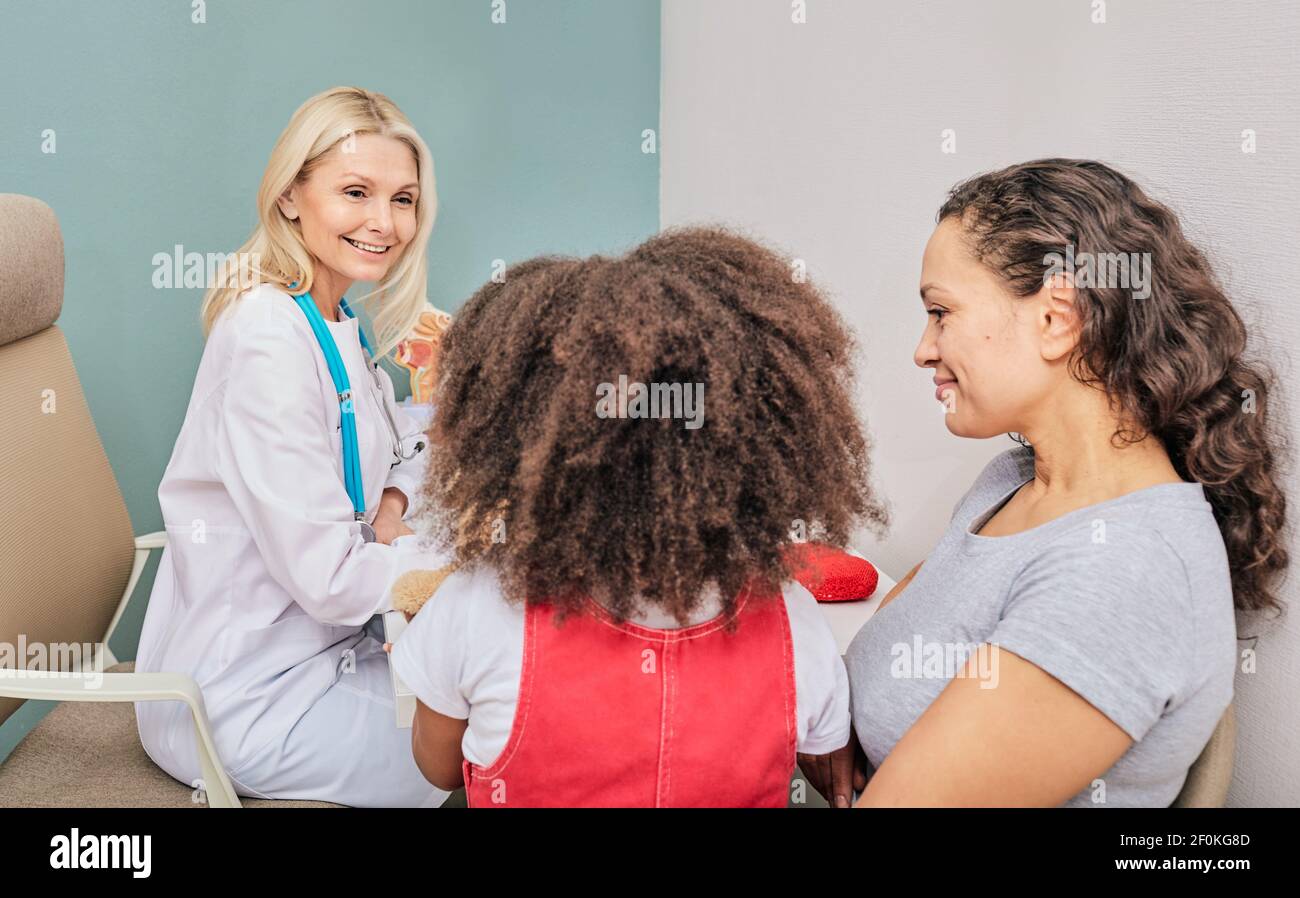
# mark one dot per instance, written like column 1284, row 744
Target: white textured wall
column 824, row 138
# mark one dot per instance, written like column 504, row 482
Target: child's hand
column 839, row 774
column 388, row 646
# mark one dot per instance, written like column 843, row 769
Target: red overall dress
column 620, row 715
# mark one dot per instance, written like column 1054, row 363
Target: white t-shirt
column 463, row 653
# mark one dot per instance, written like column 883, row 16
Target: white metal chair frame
column 131, row 687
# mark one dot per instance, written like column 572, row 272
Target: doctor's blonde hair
column 319, row 125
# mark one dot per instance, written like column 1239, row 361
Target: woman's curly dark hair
column 525, row 476
column 1175, row 361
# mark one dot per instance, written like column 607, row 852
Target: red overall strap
column 620, row 715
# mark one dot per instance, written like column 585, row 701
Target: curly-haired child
column 623, row 452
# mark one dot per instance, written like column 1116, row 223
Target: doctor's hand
column 838, row 774
column 389, row 526
column 388, row 521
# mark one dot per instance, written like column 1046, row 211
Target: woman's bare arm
column 1002, row 733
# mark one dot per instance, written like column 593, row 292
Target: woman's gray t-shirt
column 1128, row 602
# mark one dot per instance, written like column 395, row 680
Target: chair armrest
column 91, row 686
column 144, row 544
column 155, row 540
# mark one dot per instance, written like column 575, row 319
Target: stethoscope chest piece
column 367, row 532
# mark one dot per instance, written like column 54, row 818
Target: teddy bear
column 413, row 588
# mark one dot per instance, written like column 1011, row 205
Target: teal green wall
column 163, row 128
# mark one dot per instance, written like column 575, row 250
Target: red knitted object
column 833, row 575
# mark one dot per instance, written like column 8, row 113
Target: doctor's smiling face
column 997, row 358
column 357, row 210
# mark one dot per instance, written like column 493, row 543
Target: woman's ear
column 288, row 203
column 1058, row 317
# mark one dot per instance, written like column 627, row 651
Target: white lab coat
column 265, row 585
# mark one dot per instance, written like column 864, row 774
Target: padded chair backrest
column 65, row 535
column 1211, row 774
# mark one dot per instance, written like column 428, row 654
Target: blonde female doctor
column 275, row 562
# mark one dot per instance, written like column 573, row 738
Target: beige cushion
column 1211, row 774
column 31, row 267
column 64, row 516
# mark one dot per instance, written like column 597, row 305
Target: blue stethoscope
column 347, row 413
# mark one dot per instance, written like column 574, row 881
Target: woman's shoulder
column 257, row 323
column 1167, row 532
column 1139, row 574
column 1005, row 470
column 264, row 323
column 263, row 308
column 1118, row 544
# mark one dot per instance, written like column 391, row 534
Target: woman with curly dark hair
column 1090, row 574
column 623, row 453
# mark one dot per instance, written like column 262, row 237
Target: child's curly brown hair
column 565, row 503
